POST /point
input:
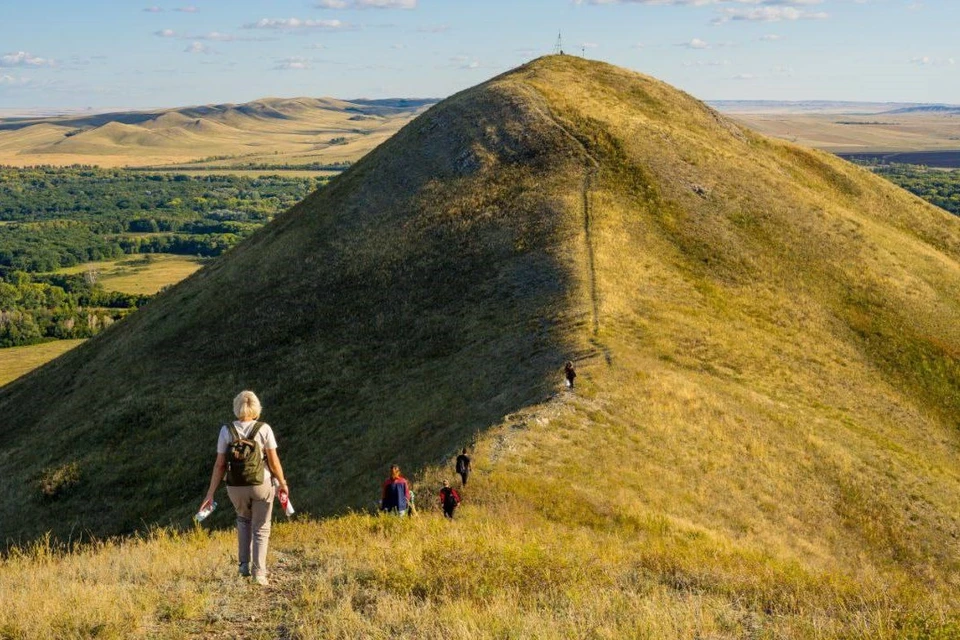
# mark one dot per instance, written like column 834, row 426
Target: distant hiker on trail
column 463, row 467
column 242, row 449
column 449, row 499
column 396, row 493
column 569, row 373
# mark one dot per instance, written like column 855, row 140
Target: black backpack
column 450, row 501
column 244, row 459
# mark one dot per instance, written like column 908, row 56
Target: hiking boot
column 261, row 580
column 245, row 569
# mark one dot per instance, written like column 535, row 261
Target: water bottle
column 203, row 513
column 286, row 504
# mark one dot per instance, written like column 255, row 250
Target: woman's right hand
column 206, row 503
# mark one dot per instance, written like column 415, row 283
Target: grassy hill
column 295, row 131
column 763, row 442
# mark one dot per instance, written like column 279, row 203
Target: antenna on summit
column 558, row 48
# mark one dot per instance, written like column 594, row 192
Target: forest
column 52, row 218
column 937, row 186
column 58, row 217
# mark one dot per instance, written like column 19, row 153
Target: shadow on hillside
column 389, row 318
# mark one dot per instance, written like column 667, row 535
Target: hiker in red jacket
column 396, row 493
column 449, row 499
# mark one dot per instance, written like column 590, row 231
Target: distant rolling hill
column 852, row 127
column 765, row 429
column 951, row 109
column 275, row 131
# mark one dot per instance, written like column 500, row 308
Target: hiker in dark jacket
column 396, row 493
column 449, row 499
column 569, row 373
column 463, row 467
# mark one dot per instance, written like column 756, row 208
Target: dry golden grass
column 762, row 443
column 18, row 361
column 145, row 274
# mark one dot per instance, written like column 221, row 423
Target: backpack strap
column 235, row 433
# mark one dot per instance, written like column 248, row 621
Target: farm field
column 18, row 361
column 145, row 274
column 844, row 133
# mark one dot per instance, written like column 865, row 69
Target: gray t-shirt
column 264, row 436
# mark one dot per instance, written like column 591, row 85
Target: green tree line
column 37, row 308
column 940, row 187
column 52, row 217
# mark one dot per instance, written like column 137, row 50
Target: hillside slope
column 766, row 421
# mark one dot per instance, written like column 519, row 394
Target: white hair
column 246, row 406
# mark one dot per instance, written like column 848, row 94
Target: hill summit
column 768, row 341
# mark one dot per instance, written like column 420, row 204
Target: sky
column 99, row 54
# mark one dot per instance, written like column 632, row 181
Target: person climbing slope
column 569, row 374
column 449, row 499
column 463, row 467
column 396, row 493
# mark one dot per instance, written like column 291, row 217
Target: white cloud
column 465, row 62
column 295, row 24
column 771, row 37
column 153, row 9
column 930, row 61
column 696, row 43
column 295, row 63
column 759, row 10
column 198, row 47
column 190, row 9
column 13, row 81
column 385, row 4
column 704, row 3
column 437, row 28
column 216, row 36
column 744, row 76
column 24, row 59
column 707, row 63
column 366, row 4
column 212, row 36
column 768, row 14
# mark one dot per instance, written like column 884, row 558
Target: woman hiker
column 247, row 456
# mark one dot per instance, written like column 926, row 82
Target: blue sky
column 131, row 54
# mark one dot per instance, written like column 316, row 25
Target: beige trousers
column 254, row 507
